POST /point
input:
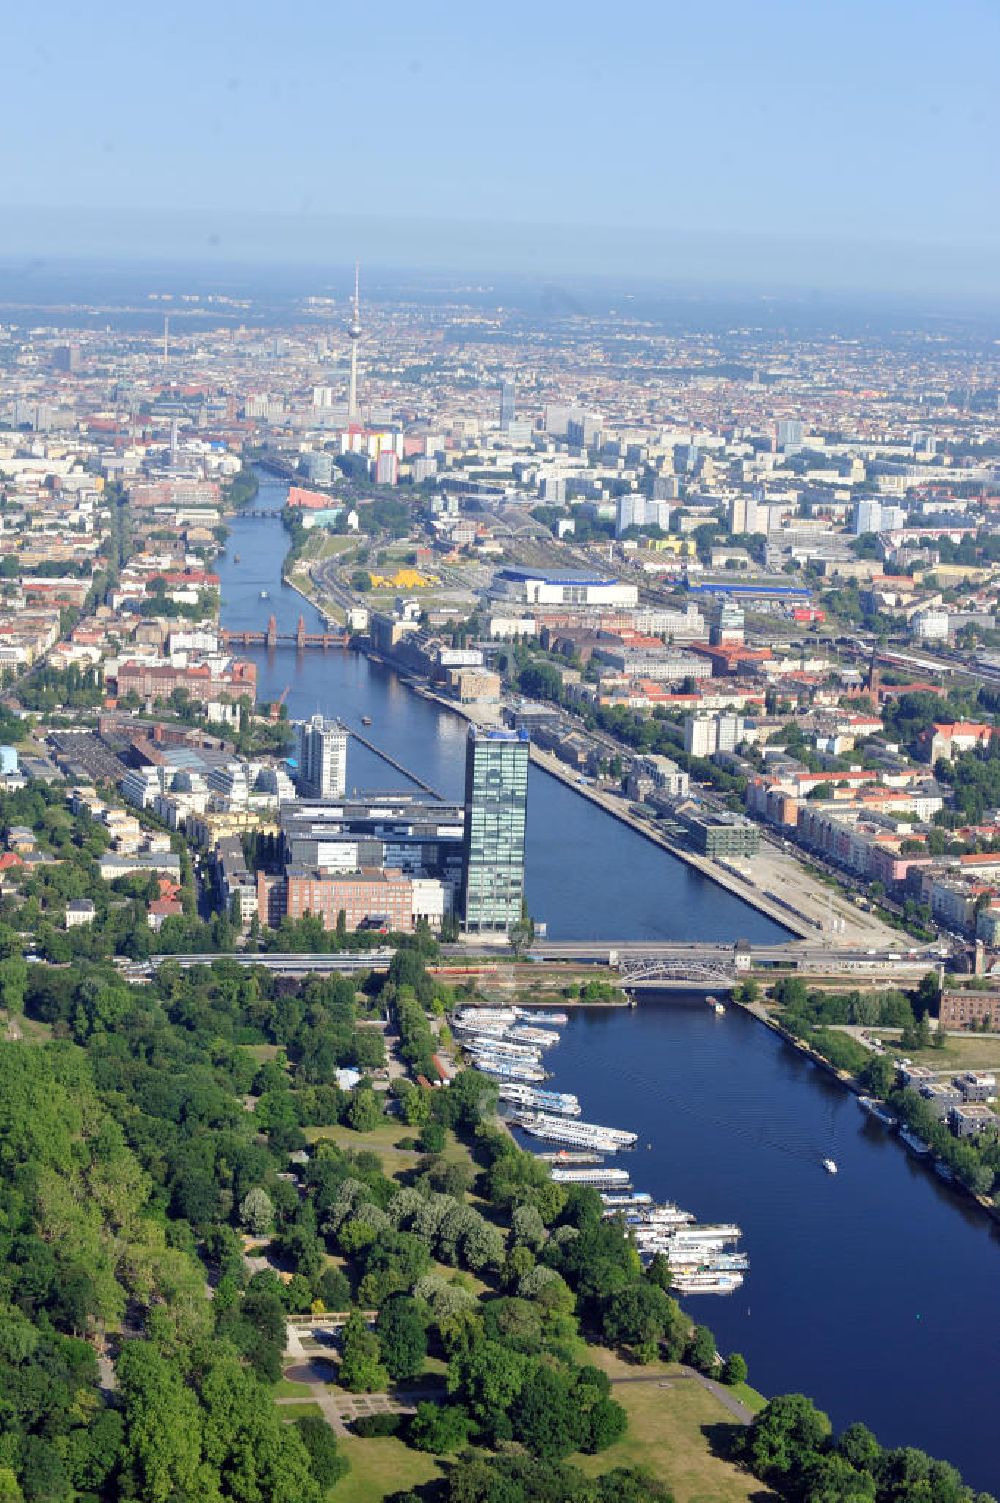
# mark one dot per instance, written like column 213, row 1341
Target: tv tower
column 354, row 334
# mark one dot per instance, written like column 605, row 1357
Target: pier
column 399, row 767
column 270, row 637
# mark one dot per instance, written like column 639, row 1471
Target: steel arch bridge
column 635, row 967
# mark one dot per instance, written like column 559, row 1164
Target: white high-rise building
column 322, row 758
column 636, row 510
column 701, row 735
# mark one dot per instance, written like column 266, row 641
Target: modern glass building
column 496, row 802
column 506, row 403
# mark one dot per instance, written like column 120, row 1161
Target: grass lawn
column 962, row 1051
column 670, row 1431
column 381, row 1466
column 384, row 1141
column 387, row 1135
column 287, row 1388
column 748, row 1396
column 290, row 1412
column 31, row 1031
column 261, row 1052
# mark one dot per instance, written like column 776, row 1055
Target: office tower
column 791, row 433
column 867, row 516
column 506, row 403
column 496, row 800
column 322, row 758
column 66, row 357
column 354, row 334
column 727, row 623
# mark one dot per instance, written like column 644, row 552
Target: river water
column 876, row 1292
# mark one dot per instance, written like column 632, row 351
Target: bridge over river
column 652, row 965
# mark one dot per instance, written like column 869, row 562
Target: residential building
column 321, row 758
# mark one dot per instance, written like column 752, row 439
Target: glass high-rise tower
column 506, row 403
column 496, row 802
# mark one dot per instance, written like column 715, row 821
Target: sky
column 785, row 142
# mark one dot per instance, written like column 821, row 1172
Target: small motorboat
column 830, row 1165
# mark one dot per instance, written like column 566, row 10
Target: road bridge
column 270, row 637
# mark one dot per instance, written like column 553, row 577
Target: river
column 875, row 1292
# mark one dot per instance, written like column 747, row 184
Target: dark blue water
column 876, row 1292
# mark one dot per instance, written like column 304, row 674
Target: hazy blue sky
column 853, row 140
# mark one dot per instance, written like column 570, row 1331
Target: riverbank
column 796, row 923
column 853, row 1086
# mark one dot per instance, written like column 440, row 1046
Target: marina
column 698, row 1258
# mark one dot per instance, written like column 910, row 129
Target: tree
column 365, row 1111
column 326, row 1463
column 878, row 1076
column 361, row 1370
column 521, row 935
column 10, row 1490
column 527, row 1227
column 734, row 1369
column 700, row 1351
column 832, row 1479
column 257, row 1212
column 787, row 1433
column 402, row 1337
column 162, row 1425
column 489, row 1378
column 636, row 1314
column 632, row 1485
column 439, row 1428
column 658, row 1271
column 545, row 1416
column 607, row 1422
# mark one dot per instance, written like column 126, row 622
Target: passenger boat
column 542, row 1038
column 560, row 1102
column 533, row 1015
column 707, row 1283
column 508, row 1069
column 600, row 1175
column 578, row 1134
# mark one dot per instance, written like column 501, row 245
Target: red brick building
column 365, row 896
